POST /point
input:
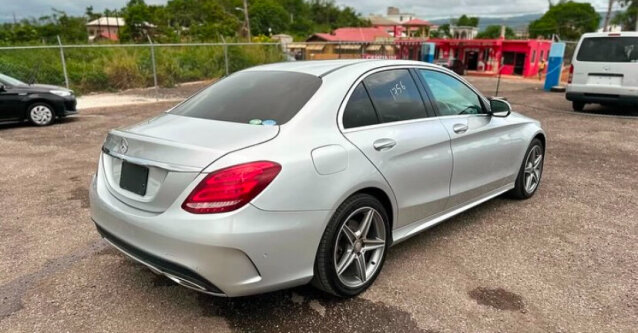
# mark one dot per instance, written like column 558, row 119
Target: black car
column 39, row 103
column 454, row 65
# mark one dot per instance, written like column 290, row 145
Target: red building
column 512, row 57
column 480, row 56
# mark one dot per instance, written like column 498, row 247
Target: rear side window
column 395, row 95
column 608, row 49
column 252, row 96
column 359, row 110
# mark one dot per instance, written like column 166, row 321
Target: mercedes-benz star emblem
column 123, row 146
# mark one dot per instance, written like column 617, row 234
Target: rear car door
column 484, row 147
column 387, row 119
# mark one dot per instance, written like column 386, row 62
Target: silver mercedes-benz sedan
column 290, row 173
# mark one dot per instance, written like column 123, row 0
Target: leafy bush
column 116, row 68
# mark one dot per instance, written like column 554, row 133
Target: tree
column 201, row 20
column 465, row 21
column 442, row 32
column 627, row 18
column 494, row 31
column 136, row 19
column 267, row 16
column 90, row 14
column 568, row 19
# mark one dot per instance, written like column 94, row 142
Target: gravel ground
column 564, row 261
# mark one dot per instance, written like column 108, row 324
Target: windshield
column 616, row 49
column 8, row 80
column 253, row 97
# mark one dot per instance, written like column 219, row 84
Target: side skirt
column 414, row 228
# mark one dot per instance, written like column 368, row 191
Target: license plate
column 605, row 80
column 134, row 178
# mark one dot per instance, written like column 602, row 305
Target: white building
column 463, row 32
column 105, row 28
column 394, row 14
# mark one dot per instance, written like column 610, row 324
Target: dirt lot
column 564, row 261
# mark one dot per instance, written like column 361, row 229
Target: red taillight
column 571, row 74
column 231, row 188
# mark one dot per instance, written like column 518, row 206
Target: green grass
column 117, row 68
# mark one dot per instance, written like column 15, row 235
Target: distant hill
column 515, row 22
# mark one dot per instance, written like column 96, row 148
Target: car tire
column 365, row 251
column 40, row 114
column 578, row 106
column 531, row 171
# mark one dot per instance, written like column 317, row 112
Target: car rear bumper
column 602, row 98
column 245, row 252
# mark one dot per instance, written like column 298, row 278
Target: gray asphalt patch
column 11, row 293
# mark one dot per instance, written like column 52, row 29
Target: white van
column 604, row 70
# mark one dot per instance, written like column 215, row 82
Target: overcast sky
column 428, row 9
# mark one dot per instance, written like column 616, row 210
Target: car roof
column 613, row 34
column 324, row 67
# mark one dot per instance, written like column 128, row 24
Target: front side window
column 395, row 96
column 452, row 96
column 359, row 110
column 252, row 96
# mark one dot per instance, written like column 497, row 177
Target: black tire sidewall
column 353, row 203
column 30, row 108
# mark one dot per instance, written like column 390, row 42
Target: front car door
column 9, row 103
column 484, row 148
column 387, row 119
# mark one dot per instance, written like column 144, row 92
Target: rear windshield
column 609, row 49
column 257, row 97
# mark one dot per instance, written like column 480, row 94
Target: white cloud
column 36, row 8
column 423, row 8
column 452, row 8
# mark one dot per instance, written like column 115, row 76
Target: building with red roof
column 351, row 35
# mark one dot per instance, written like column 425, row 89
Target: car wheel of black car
column 352, row 250
column 41, row 114
column 578, row 106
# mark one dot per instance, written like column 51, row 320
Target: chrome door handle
column 384, row 144
column 459, row 128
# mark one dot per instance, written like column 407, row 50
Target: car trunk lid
column 149, row 165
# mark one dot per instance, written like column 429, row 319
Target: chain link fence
column 110, row 67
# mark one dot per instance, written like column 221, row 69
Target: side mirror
column 2, row 87
column 500, row 107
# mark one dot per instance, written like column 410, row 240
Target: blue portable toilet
column 554, row 65
column 427, row 52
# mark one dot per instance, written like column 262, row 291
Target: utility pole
column 247, row 20
column 608, row 16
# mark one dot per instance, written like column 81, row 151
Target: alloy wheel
column 359, row 247
column 41, row 115
column 533, row 169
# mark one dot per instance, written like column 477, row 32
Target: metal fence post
column 225, row 54
column 66, row 75
column 154, row 67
